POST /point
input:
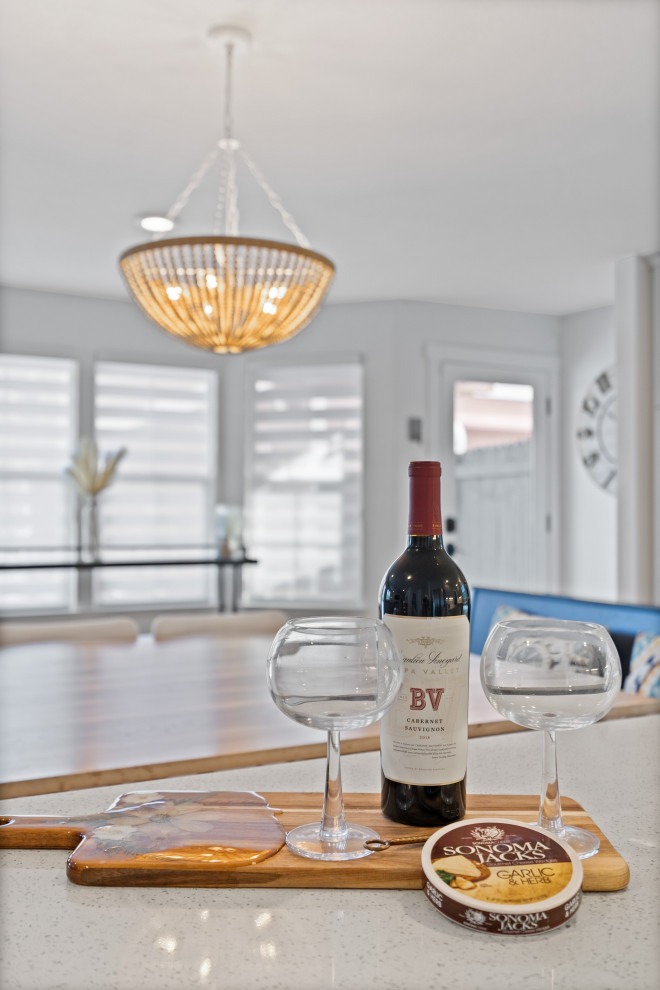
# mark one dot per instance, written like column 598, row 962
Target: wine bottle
column 425, row 601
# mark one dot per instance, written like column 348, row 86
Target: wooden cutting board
column 235, row 839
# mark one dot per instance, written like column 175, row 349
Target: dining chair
column 177, row 625
column 118, row 629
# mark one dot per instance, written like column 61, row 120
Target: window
column 38, row 429
column 494, row 481
column 164, row 492
column 303, row 491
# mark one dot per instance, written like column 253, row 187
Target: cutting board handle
column 41, row 831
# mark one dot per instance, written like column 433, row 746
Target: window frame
column 72, row 604
column 262, row 365
column 87, row 600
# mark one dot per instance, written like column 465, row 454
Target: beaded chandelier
column 223, row 292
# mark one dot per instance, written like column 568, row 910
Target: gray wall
column 390, row 338
column 588, row 542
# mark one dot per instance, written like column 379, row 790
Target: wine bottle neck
column 424, row 518
column 434, row 542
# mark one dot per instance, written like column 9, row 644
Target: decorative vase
column 89, row 528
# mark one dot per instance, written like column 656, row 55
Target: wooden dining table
column 79, row 715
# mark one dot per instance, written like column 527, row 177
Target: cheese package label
column 502, row 876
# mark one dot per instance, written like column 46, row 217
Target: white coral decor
column 91, row 473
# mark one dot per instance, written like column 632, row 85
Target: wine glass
column 552, row 674
column 333, row 673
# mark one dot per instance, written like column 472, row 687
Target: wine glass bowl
column 552, row 674
column 333, row 673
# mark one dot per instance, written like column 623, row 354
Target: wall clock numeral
column 596, row 431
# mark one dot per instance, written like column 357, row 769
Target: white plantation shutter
column 38, row 428
column 164, row 492
column 303, row 511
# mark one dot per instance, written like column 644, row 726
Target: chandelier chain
column 228, row 118
column 231, row 196
column 193, row 183
column 220, row 203
column 227, row 202
column 275, row 200
column 226, row 211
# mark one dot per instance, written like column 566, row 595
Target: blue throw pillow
column 624, row 643
column 644, row 676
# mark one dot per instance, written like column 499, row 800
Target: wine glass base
column 584, row 843
column 306, row 841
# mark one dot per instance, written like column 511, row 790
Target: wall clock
column 596, row 431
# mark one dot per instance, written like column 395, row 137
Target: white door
column 492, row 427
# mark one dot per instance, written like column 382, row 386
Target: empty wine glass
column 552, row 674
column 333, row 673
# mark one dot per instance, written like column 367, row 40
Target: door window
column 493, row 432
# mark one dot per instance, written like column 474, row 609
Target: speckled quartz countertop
column 59, row 935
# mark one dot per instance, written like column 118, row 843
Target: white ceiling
column 497, row 153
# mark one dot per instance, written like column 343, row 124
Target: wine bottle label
column 423, row 737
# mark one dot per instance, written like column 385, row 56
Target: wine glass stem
column 333, row 826
column 550, row 808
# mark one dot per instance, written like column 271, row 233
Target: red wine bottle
column 425, row 601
